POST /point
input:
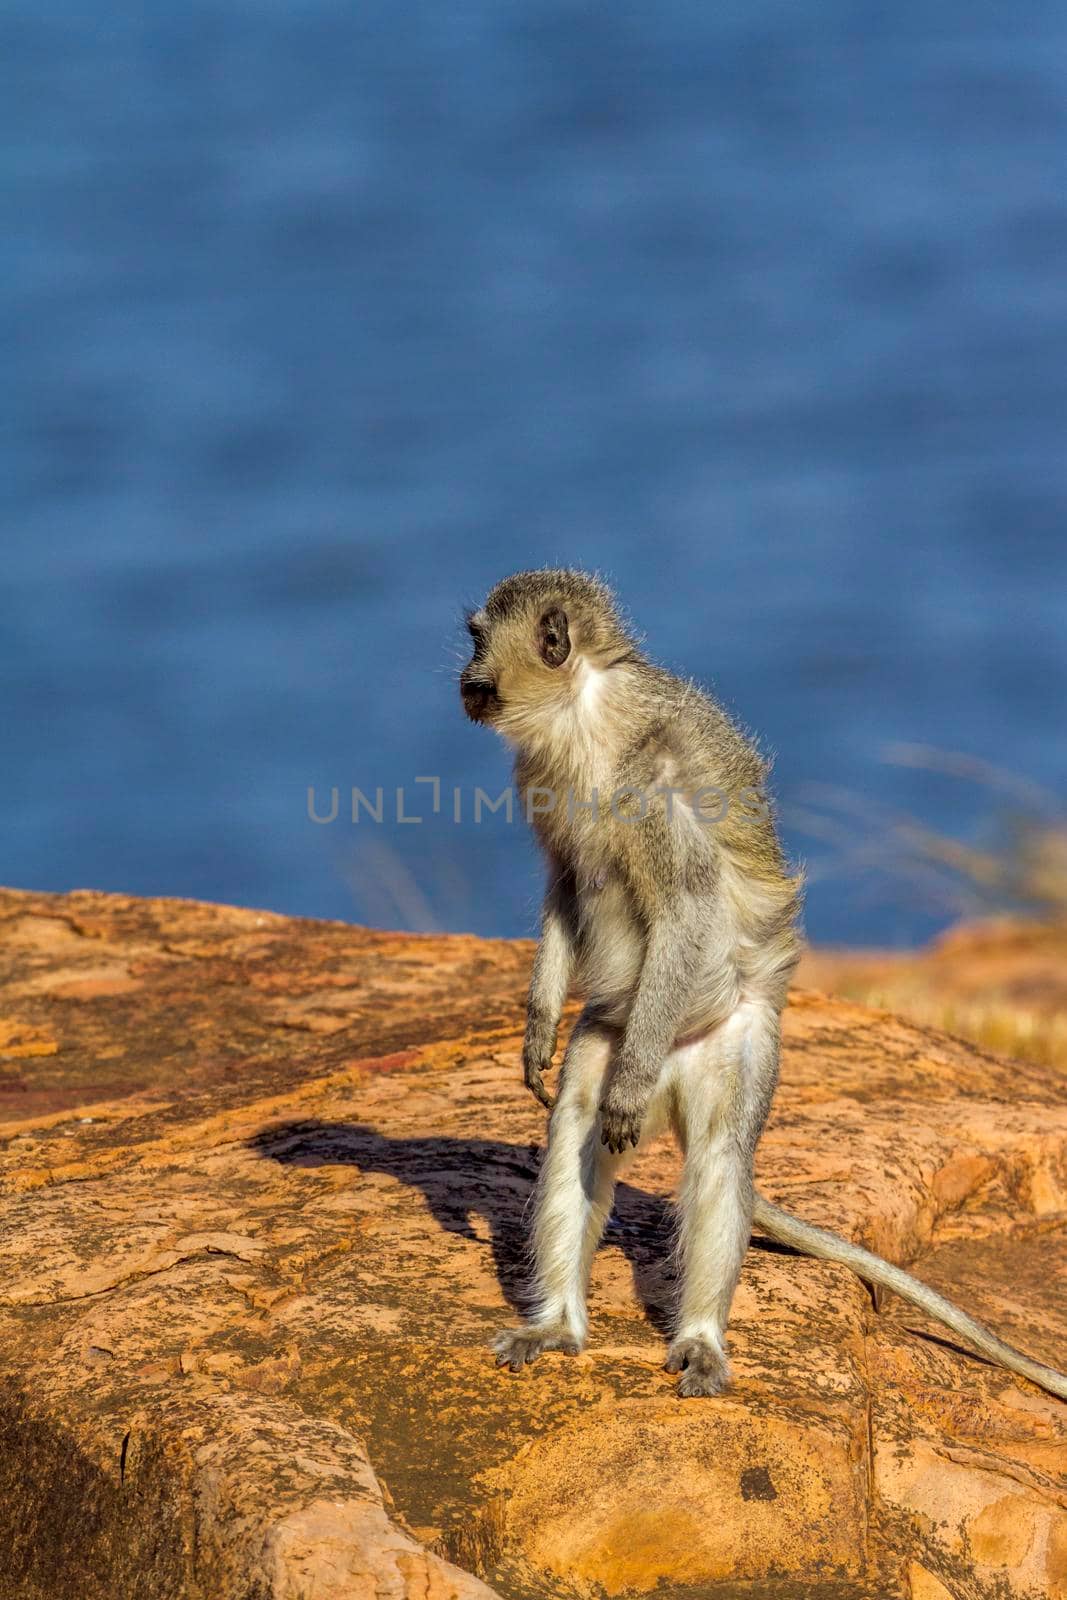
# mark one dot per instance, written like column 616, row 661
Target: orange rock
column 20, row 1039
column 250, row 1270
column 922, row 1585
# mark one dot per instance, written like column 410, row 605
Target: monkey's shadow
column 461, row 1179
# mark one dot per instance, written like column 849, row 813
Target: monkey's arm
column 552, row 969
column 672, row 953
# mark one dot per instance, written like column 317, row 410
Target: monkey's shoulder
column 687, row 742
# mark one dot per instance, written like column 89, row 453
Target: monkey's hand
column 537, row 1052
column 621, row 1112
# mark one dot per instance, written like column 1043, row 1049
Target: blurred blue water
column 318, row 318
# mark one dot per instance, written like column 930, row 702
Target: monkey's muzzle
column 479, row 697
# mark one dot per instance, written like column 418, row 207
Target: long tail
column 828, row 1246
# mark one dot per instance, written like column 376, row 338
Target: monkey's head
column 535, row 642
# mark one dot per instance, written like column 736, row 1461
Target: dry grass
column 998, row 1025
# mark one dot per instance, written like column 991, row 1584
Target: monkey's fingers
column 624, row 1125
column 617, row 1133
column 535, row 1084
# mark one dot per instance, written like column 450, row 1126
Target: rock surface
column 262, row 1193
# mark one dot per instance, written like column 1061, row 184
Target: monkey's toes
column 700, row 1385
column 704, row 1368
column 516, row 1347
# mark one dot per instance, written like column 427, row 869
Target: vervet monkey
column 669, row 901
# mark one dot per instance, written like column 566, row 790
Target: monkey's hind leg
column 572, row 1202
column 723, row 1088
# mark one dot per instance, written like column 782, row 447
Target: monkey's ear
column 553, row 637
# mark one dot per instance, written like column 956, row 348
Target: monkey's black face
column 478, row 692
column 478, row 685
column 518, row 643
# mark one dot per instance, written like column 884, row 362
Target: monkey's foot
column 706, row 1371
column 515, row 1347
